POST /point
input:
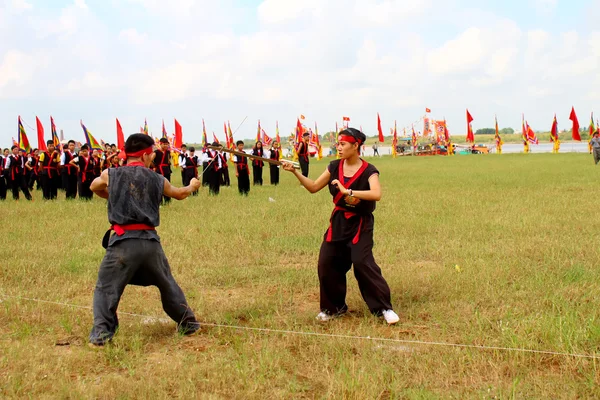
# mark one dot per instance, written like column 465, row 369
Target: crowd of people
column 72, row 170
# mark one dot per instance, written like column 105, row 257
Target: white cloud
column 545, row 6
column 132, row 36
column 462, row 54
column 19, row 6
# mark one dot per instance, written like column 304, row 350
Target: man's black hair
column 84, row 147
column 70, row 141
column 137, row 142
column 14, row 147
column 184, row 145
column 163, row 140
column 49, row 142
column 239, row 142
column 192, row 149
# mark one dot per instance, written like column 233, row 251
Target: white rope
column 338, row 336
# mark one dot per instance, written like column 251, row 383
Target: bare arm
column 373, row 194
column 309, row 184
column 183, row 192
column 100, row 185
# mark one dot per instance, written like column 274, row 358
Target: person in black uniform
column 180, row 159
column 213, row 170
column 162, row 163
column 134, row 255
column 189, row 166
column 225, row 181
column 303, row 154
column 257, row 165
column 85, row 165
column 204, row 158
column 242, row 171
column 15, row 170
column 69, row 171
column 274, row 169
column 33, row 163
column 49, row 162
column 354, row 185
column 2, row 179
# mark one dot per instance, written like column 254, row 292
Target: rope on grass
column 337, row 336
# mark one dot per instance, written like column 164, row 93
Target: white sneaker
column 323, row 317
column 390, row 317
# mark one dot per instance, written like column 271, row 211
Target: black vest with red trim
column 241, row 163
column 97, row 165
column 1, row 166
column 16, row 167
column 162, row 161
column 274, row 155
column 223, row 161
column 191, row 164
column 303, row 151
column 71, row 170
column 351, row 217
column 34, row 165
column 86, row 168
column 49, row 165
column 259, row 153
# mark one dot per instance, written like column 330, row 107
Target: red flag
column 427, row 110
column 226, row 135
column 258, row 132
column 381, row 138
column 266, row 139
column 346, row 118
column 178, row 135
column 215, row 139
column 299, row 131
column 554, row 130
column 40, row 135
column 573, row 117
column 470, row 135
column 120, row 137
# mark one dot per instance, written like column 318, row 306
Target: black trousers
column 19, row 184
column 225, row 181
column 274, row 170
column 50, row 186
column 85, row 193
column 257, row 175
column 167, row 199
column 142, row 263
column 34, row 178
column 2, row 188
column 204, row 174
column 70, row 182
column 303, row 166
column 335, row 260
column 188, row 175
column 244, row 183
column 214, row 180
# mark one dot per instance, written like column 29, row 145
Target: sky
column 273, row 60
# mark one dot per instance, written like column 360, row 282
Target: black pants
column 167, row 199
column 85, row 193
column 596, row 151
column 188, row 175
column 18, row 183
column 214, row 180
column 303, row 166
column 2, row 188
column 34, row 178
column 225, row 181
column 244, row 182
column 274, row 169
column 257, row 172
column 204, row 174
column 50, row 186
column 142, row 263
column 335, row 260
column 70, row 183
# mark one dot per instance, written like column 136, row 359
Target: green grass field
column 521, row 228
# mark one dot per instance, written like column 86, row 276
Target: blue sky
column 274, row 60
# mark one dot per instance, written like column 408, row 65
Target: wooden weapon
column 250, row 156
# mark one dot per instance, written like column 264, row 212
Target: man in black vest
column 134, row 255
column 15, row 170
column 242, row 171
column 162, row 163
column 303, row 153
column 69, row 171
column 2, row 180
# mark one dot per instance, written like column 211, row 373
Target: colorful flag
column 145, row 127
column 554, row 130
column 592, row 127
column 120, row 137
column 40, row 135
column 165, row 135
column 204, row 137
column 414, row 138
column 258, row 132
column 531, row 137
column 426, row 127
column 90, row 140
column 216, row 139
column 55, row 138
column 381, row 138
column 318, row 142
column 575, row 130
column 497, row 137
column 178, row 140
column 231, row 141
column 523, row 130
column 266, row 139
column 394, row 141
column 23, row 141
column 470, row 135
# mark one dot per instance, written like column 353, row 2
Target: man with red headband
column 354, row 185
column 134, row 255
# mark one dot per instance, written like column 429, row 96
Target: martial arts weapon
column 215, row 157
column 250, row 156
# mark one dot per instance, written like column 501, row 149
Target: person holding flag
column 348, row 242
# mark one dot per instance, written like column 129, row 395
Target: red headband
column 348, row 138
column 147, row 150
